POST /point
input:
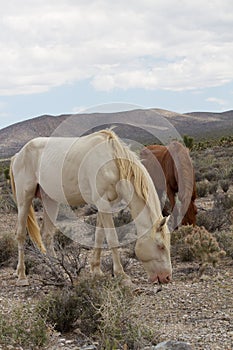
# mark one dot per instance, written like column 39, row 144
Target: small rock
column 89, row 347
column 173, row 345
column 62, row 340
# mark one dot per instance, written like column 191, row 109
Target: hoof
column 22, row 282
column 97, row 273
column 128, row 283
column 124, row 279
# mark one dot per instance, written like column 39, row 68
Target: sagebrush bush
column 198, row 175
column 206, row 219
column 23, row 326
column 118, row 326
column 204, row 247
column 178, row 246
column 225, row 184
column 61, row 270
column 7, row 203
column 8, row 247
column 101, row 308
column 217, row 218
column 230, row 174
column 223, row 201
column 202, row 189
column 225, row 240
column 213, row 186
column 211, row 175
column 64, row 308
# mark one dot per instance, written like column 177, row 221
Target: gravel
column 192, row 310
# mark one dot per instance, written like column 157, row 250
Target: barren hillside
column 199, row 125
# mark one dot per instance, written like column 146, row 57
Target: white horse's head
column 153, row 250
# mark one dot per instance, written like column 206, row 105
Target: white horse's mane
column 131, row 169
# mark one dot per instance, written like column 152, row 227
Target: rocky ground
column 197, row 311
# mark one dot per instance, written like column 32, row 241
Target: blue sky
column 66, row 56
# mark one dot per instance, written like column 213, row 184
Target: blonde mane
column 131, row 169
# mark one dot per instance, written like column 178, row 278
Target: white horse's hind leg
column 47, row 232
column 48, row 228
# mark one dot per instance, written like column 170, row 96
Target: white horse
column 97, row 169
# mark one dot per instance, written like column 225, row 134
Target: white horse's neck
column 144, row 216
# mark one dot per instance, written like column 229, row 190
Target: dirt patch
column 198, row 311
column 8, row 222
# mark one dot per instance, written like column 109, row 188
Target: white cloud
column 217, row 101
column 165, row 44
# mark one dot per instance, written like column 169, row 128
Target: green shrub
column 211, row 175
column 223, row 201
column 64, row 308
column 23, row 326
column 102, row 309
column 213, row 186
column 230, row 174
column 118, row 326
column 198, row 175
column 188, row 141
column 178, row 246
column 213, row 220
column 217, row 218
column 7, row 202
column 7, row 173
column 202, row 189
column 225, row 184
column 61, row 270
column 225, row 240
column 8, row 247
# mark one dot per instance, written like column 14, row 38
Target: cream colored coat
column 97, row 169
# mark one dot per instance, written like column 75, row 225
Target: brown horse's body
column 171, row 170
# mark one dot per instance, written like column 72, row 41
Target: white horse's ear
column 162, row 223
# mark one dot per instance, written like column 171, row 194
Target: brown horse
column 172, row 172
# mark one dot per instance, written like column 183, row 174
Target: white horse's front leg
column 22, row 279
column 113, row 243
column 99, row 238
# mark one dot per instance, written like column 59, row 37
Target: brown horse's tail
column 32, row 225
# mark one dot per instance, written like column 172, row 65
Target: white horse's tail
column 32, row 225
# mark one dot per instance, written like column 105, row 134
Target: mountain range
column 144, row 126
